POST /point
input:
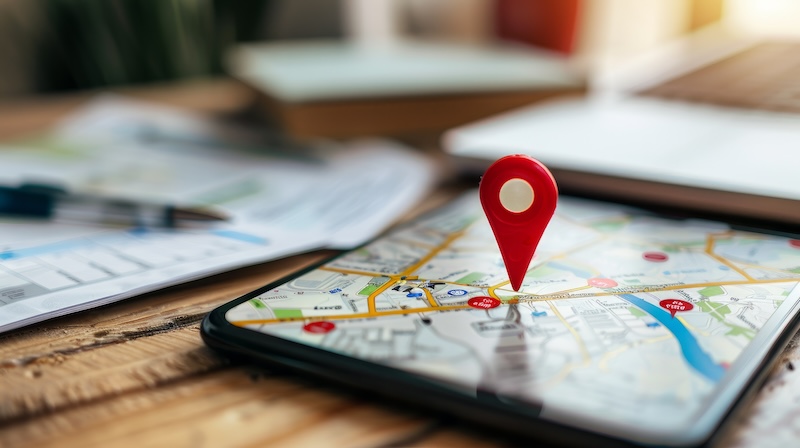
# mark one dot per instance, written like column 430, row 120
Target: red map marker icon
column 483, row 302
column 319, row 327
column 675, row 305
column 519, row 197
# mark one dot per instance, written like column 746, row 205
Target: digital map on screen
column 622, row 316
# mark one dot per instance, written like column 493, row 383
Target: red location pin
column 519, row 197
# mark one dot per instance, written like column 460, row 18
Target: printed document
column 280, row 203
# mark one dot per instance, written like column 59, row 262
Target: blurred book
column 676, row 144
column 342, row 89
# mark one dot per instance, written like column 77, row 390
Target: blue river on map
column 692, row 352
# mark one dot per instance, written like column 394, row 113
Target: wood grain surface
column 136, row 373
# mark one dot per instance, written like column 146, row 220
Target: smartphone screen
column 627, row 324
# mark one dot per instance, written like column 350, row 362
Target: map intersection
column 622, row 316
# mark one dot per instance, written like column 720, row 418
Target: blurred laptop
column 715, row 131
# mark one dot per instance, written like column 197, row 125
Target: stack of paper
column 282, row 204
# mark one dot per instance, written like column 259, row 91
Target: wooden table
column 137, row 373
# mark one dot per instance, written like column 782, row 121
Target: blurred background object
column 56, row 45
column 61, row 45
column 540, row 23
column 20, row 25
column 95, row 43
column 693, row 105
column 340, row 89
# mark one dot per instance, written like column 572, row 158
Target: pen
column 52, row 202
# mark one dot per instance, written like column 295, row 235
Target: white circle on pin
column 516, row 195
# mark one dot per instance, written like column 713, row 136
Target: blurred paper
column 282, row 203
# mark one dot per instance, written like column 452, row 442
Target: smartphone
column 630, row 328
